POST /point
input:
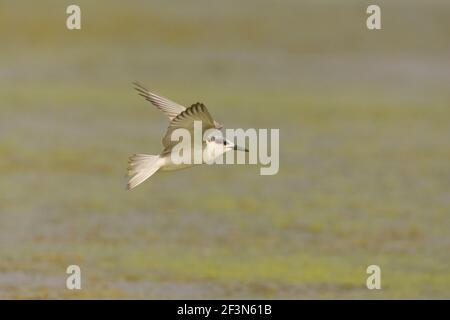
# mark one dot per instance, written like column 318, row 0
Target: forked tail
column 140, row 168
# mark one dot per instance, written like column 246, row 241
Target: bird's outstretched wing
column 170, row 108
column 185, row 120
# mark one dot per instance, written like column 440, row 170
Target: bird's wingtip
column 138, row 85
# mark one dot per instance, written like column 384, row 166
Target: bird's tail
column 140, row 168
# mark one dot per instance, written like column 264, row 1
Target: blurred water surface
column 364, row 129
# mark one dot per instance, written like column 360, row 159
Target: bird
column 143, row 166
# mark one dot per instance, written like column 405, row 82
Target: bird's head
column 222, row 145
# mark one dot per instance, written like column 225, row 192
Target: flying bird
column 143, row 166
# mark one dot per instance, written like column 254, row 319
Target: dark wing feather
column 196, row 112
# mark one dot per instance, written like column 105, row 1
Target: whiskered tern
column 143, row 166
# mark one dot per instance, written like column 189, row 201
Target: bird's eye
column 225, row 142
column 212, row 138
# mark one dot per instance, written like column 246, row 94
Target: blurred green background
column 364, row 121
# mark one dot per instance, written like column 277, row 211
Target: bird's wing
column 185, row 120
column 170, row 108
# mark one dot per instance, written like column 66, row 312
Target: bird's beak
column 240, row 148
